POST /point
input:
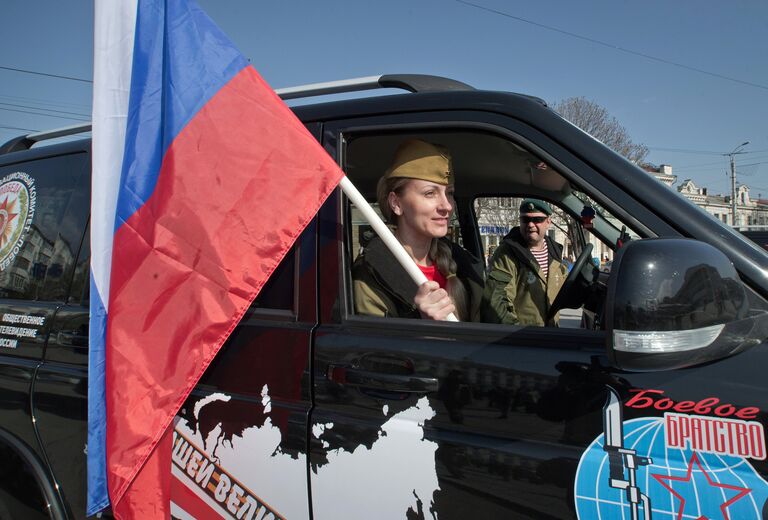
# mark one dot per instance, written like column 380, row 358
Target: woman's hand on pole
column 433, row 302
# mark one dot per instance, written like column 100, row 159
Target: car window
column 571, row 229
column 43, row 211
column 80, row 290
column 480, row 162
column 279, row 291
column 492, row 176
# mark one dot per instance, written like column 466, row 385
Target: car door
column 44, row 203
column 240, row 439
column 417, row 419
column 59, row 401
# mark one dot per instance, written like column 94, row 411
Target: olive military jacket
column 516, row 291
column 383, row 288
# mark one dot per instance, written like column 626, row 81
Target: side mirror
column 673, row 303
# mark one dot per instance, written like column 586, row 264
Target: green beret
column 535, row 206
column 416, row 159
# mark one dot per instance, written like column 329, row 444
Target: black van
column 651, row 404
column 758, row 236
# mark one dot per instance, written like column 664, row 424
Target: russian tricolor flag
column 202, row 180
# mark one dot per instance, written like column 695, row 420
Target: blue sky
column 634, row 58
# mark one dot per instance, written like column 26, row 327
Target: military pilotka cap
column 535, row 206
column 417, row 159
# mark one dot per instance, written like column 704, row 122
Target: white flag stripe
column 115, row 23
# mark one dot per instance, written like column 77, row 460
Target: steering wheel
column 569, row 295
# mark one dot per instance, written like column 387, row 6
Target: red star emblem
column 742, row 491
column 5, row 218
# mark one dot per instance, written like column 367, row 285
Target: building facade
column 751, row 213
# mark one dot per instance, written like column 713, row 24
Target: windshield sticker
column 673, row 467
column 17, row 210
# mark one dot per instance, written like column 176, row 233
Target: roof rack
column 25, row 142
column 410, row 82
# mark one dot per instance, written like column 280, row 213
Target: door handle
column 381, row 381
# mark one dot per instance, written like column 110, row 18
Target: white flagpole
column 392, row 243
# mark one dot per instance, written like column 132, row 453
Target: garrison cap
column 417, row 159
column 535, row 206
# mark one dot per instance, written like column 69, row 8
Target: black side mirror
column 673, row 303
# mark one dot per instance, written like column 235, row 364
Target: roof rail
column 409, row 82
column 25, row 142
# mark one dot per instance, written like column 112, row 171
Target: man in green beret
column 526, row 271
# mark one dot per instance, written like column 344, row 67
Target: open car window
column 492, row 175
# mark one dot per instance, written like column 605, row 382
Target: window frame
column 276, row 313
column 70, row 172
column 336, row 136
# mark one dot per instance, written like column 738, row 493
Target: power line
column 615, row 47
column 59, row 104
column 36, row 73
column 700, row 170
column 713, row 165
column 19, row 128
column 752, row 164
column 751, row 172
column 693, row 166
column 44, row 115
column 684, row 150
column 46, row 109
column 702, row 152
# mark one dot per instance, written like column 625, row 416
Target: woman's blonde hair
column 439, row 250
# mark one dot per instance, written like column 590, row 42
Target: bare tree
column 597, row 122
column 497, row 211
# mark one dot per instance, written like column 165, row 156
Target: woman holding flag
column 415, row 196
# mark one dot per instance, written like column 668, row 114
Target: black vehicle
column 655, row 407
column 758, row 236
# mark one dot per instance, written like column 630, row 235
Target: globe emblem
column 678, row 483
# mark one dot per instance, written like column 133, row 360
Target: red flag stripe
column 236, row 188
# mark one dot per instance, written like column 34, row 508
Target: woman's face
column 423, row 209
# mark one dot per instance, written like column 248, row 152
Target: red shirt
column 433, row 274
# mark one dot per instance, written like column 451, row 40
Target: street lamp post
column 731, row 155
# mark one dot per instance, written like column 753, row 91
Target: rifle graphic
column 620, row 457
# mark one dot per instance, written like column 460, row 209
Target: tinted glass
column 278, row 292
column 43, row 211
column 80, row 289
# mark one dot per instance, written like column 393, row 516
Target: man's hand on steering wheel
column 571, row 293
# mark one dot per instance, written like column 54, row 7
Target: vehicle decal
column 256, row 480
column 18, row 332
column 216, row 487
column 679, row 466
column 395, row 477
column 18, row 199
column 247, row 476
column 650, row 398
column 715, row 435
